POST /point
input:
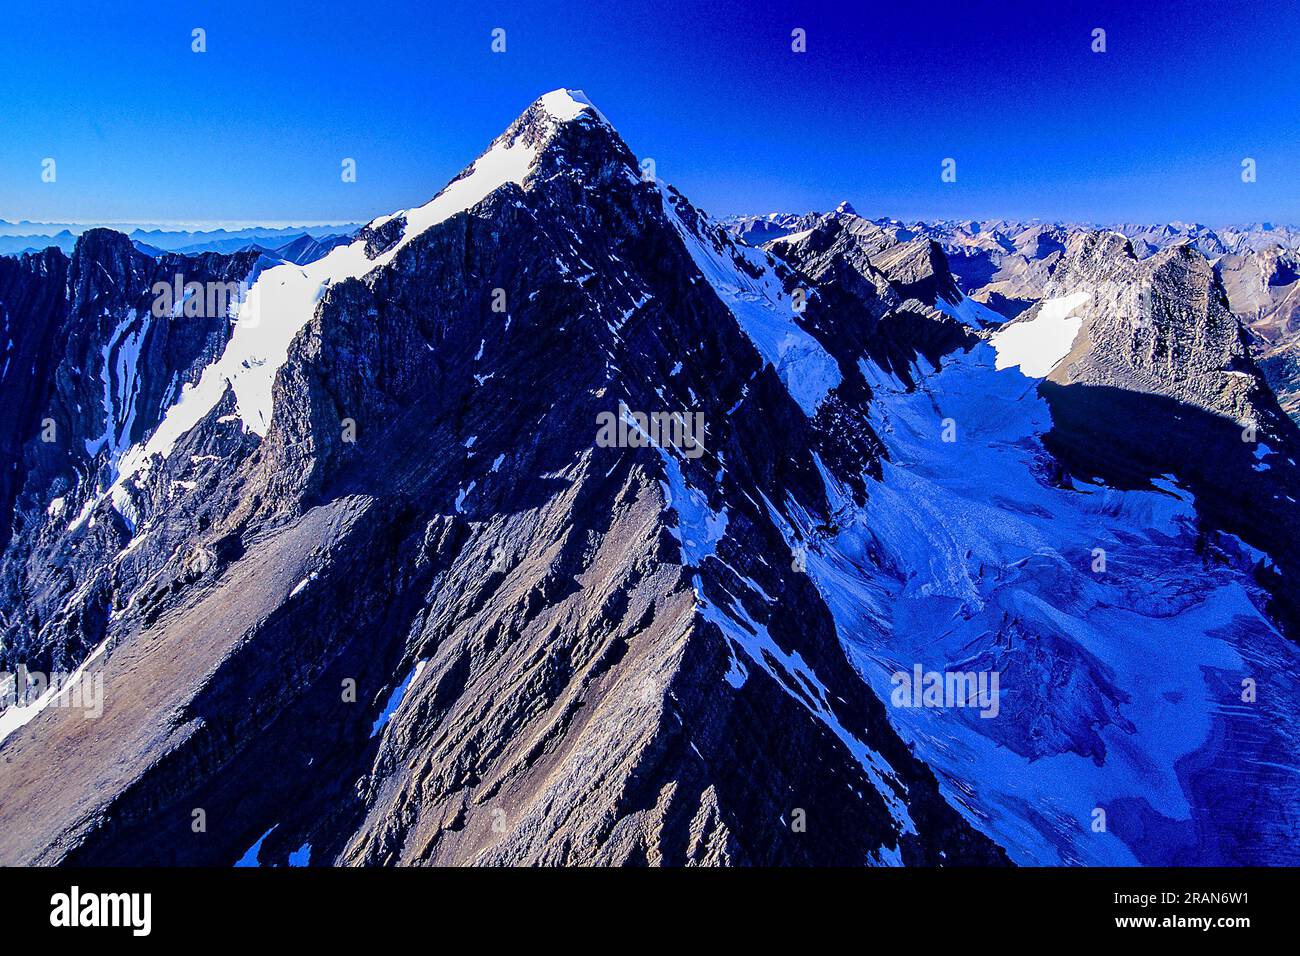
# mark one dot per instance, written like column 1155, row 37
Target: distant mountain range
column 19, row 237
column 1008, row 265
column 1012, row 235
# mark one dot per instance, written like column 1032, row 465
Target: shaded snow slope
column 748, row 285
column 1119, row 689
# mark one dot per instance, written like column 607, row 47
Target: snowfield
column 1036, row 346
column 1118, row 687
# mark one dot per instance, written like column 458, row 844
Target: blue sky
column 1155, row 129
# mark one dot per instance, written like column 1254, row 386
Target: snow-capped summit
column 511, row 157
column 566, row 105
column 283, row 299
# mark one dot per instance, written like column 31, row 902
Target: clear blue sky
column 254, row 129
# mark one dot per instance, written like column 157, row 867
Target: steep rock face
column 1159, row 325
column 33, row 311
column 103, row 370
column 876, row 296
column 561, row 651
column 1263, row 289
column 1281, row 367
column 911, row 268
column 839, row 254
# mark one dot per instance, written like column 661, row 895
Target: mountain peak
column 548, row 115
column 511, row 157
column 845, row 208
column 565, row 105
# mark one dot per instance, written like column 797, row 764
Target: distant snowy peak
column 911, row 268
column 757, row 230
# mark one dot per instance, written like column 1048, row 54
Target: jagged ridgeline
column 1007, row 264
column 549, row 522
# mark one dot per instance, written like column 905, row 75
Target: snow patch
column 19, row 716
column 968, row 312
column 396, row 697
column 1038, row 345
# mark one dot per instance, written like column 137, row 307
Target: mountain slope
column 563, row 652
